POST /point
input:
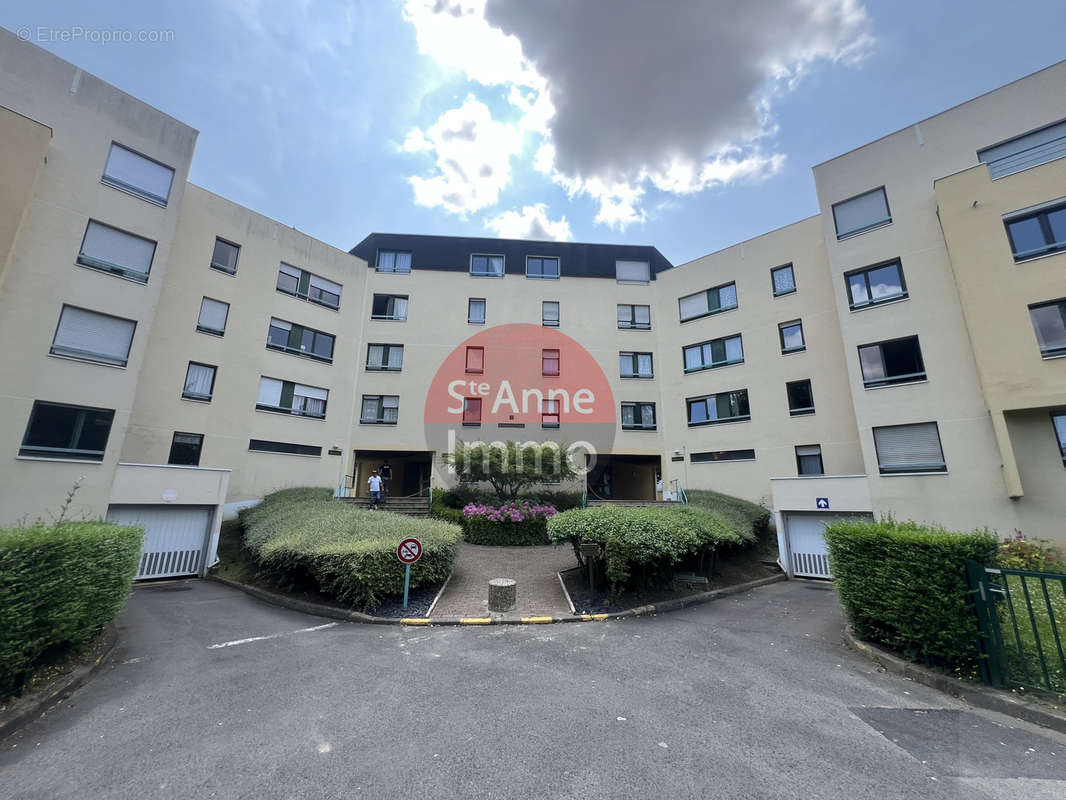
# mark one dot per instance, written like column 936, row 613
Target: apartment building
column 179, row 356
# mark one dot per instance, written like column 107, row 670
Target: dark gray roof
column 452, row 253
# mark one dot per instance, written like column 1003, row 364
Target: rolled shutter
column 694, row 305
column 859, row 213
column 111, row 247
column 632, row 271
column 139, row 174
column 909, row 448
column 270, row 392
column 642, row 315
column 213, row 314
column 88, row 334
column 1030, row 150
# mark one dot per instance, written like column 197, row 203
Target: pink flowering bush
column 521, row 511
column 514, row 523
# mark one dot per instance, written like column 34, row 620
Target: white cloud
column 630, row 95
column 532, row 222
column 472, row 158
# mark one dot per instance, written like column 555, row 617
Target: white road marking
column 271, row 636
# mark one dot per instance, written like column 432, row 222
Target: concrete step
column 408, row 506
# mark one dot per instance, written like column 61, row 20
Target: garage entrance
column 807, row 553
column 175, row 537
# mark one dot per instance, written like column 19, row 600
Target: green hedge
column 478, row 530
column 58, row 585
column 904, row 585
column 461, row 495
column 746, row 518
column 349, row 552
column 645, row 541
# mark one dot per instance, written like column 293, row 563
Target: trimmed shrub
column 903, row 585
column 518, row 523
column 646, row 540
column 59, row 584
column 747, row 519
column 348, row 552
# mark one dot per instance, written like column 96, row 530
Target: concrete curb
column 975, row 694
column 22, row 709
column 320, row 610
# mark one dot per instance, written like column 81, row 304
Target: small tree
column 509, row 467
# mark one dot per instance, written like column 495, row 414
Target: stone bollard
column 502, row 594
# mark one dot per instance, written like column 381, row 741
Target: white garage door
column 806, row 545
column 175, row 537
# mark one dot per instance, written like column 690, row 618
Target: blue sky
column 689, row 125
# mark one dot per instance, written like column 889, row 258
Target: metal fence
column 1021, row 617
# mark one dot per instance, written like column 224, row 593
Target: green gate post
column 989, row 649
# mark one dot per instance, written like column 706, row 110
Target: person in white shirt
column 374, row 482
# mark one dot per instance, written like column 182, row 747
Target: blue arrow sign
column 822, row 502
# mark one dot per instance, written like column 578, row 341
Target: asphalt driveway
column 213, row 694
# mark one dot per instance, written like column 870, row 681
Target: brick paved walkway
column 534, row 568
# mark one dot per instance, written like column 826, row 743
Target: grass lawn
column 1035, row 634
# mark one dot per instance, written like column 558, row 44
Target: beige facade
column 982, row 379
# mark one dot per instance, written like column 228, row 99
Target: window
column 486, row 266
column 307, row 286
column 91, row 336
column 549, row 363
column 715, row 353
column 809, row 459
column 549, row 414
column 389, row 306
column 292, row 398
column 213, row 315
column 783, row 280
column 224, row 256
column 118, row 252
column 199, row 382
column 472, row 411
column 1049, row 324
column 1058, row 420
column 862, row 213
column 721, row 407
column 541, row 267
column 56, row 430
column 394, row 261
column 634, row 317
column 800, row 397
column 722, row 455
column 475, row 360
column 791, row 334
column 138, row 175
column 1038, row 232
column 384, row 357
column 475, row 311
column 635, row 365
column 549, row 313
column 880, row 283
column 909, row 448
column 263, row 446
column 300, row 341
column 380, row 409
column 185, row 449
column 638, row 416
column 632, row 271
column 896, row 361
column 711, row 301
column 1024, row 152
